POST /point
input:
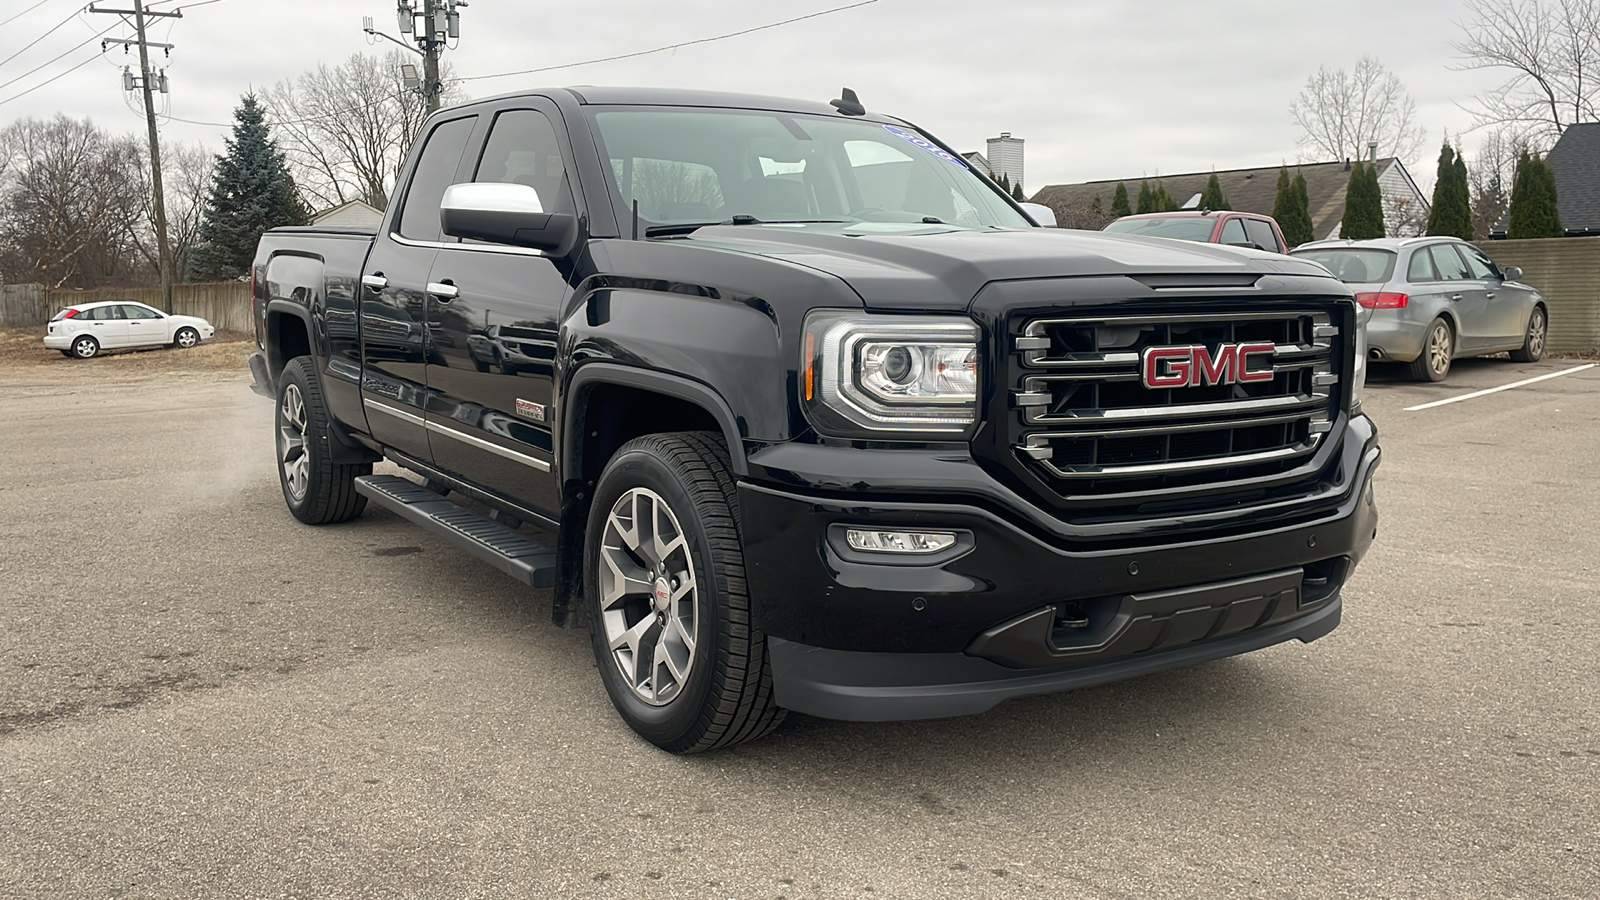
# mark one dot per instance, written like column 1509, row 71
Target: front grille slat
column 1087, row 420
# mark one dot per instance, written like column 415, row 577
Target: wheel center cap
column 662, row 593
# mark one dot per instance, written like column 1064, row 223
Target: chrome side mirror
column 509, row 214
column 1511, row 273
column 1042, row 216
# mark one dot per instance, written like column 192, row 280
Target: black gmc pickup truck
column 794, row 410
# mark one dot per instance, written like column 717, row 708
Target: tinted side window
column 436, row 170
column 139, row 312
column 1261, row 233
column 1480, row 265
column 1448, row 263
column 523, row 149
column 104, row 314
column 1421, row 268
column 1233, row 232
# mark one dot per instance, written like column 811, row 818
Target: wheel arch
column 604, row 406
column 288, row 334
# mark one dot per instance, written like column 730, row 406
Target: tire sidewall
column 295, row 375
column 673, row 722
column 1450, row 348
column 1527, row 341
column 177, row 339
column 85, row 339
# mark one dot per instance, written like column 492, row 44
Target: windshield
column 1182, row 228
column 1353, row 266
column 696, row 166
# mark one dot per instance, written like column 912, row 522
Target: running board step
column 508, row 550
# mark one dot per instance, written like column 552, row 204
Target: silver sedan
column 1430, row 300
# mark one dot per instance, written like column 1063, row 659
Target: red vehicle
column 1239, row 229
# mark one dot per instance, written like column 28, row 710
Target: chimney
column 1372, row 150
column 1347, row 163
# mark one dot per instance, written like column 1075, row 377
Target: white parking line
column 1503, row 387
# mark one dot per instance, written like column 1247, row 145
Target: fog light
column 899, row 541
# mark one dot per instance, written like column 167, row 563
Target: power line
column 705, row 40
column 53, row 61
column 49, row 81
column 24, row 12
column 35, row 42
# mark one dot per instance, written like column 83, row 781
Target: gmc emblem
column 1192, row 366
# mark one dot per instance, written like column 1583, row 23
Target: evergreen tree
column 1452, row 201
column 1533, row 201
column 1363, row 205
column 1282, row 200
column 1147, row 199
column 1119, row 201
column 1304, row 231
column 251, row 191
column 1161, row 200
column 1213, row 197
column 1016, row 192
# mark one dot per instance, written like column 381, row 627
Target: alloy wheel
column 187, row 338
column 649, row 599
column 85, row 348
column 1439, row 348
column 292, row 442
column 1536, row 332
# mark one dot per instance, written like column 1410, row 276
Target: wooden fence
column 225, row 305
column 1567, row 272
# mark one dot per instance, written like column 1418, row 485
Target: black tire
column 84, row 346
column 1438, row 349
column 724, row 695
column 67, row 353
column 317, row 491
column 186, row 338
column 1533, row 340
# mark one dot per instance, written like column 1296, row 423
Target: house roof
column 1247, row 190
column 355, row 212
column 1575, row 159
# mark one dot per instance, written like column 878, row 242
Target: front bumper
column 1017, row 612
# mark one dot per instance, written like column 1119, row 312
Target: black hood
column 938, row 267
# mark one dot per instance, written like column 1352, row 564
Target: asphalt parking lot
column 201, row 698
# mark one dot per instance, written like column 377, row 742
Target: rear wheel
column 1533, row 342
column 185, row 338
column 317, row 491
column 84, row 347
column 670, row 613
column 1438, row 348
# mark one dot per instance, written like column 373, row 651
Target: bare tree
column 1551, row 49
column 67, row 195
column 187, row 170
column 1091, row 217
column 1340, row 113
column 1490, row 175
column 346, row 129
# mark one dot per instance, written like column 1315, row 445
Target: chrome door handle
column 374, row 282
column 1490, row 295
column 1455, row 298
column 443, row 291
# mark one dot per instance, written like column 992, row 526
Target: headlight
column 871, row 375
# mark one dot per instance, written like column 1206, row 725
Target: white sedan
column 83, row 331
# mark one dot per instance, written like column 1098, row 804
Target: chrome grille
column 1088, row 421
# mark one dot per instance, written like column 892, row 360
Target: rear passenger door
column 1467, row 295
column 393, row 307
column 108, row 325
column 493, row 321
column 1507, row 306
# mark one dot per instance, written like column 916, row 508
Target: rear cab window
column 1353, row 265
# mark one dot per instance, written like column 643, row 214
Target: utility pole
column 148, row 81
column 432, row 28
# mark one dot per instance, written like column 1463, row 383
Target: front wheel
column 317, row 491
column 669, row 609
column 185, row 338
column 1532, row 349
column 1438, row 348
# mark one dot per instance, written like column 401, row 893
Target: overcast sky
column 1098, row 88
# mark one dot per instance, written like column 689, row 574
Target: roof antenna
column 848, row 104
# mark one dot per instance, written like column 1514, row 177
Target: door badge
column 527, row 409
